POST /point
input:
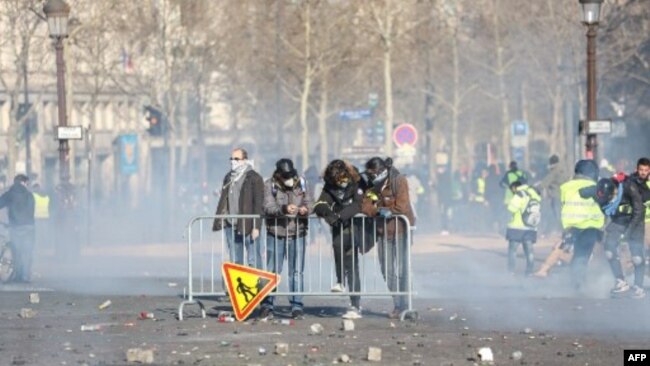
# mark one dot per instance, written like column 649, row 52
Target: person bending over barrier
column 388, row 195
column 338, row 204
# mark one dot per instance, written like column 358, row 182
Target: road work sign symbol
column 247, row 287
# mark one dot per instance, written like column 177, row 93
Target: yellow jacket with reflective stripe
column 578, row 212
column 42, row 206
column 518, row 204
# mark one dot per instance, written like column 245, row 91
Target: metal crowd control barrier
column 382, row 271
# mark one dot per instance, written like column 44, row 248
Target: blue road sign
column 356, row 114
column 128, row 154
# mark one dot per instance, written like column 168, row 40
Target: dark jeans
column 612, row 241
column 346, row 259
column 393, row 260
column 584, row 241
column 22, row 239
column 528, row 252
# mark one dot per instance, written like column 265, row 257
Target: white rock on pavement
column 316, row 329
column 27, row 313
column 348, row 325
column 34, row 298
column 139, row 355
column 517, row 355
column 281, row 348
column 344, row 358
column 374, row 354
column 485, row 354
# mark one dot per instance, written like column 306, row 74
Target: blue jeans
column 237, row 242
column 292, row 248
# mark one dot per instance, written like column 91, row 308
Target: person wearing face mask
column 286, row 207
column 338, row 204
column 627, row 225
column 388, row 196
column 242, row 193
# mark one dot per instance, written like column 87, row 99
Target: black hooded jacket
column 19, row 201
column 631, row 211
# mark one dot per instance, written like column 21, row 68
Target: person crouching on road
column 519, row 231
column 286, row 207
column 391, row 191
column 338, row 203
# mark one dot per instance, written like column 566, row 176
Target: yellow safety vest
column 42, row 206
column 578, row 212
column 480, row 190
column 513, row 176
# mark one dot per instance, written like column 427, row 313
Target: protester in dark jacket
column 338, row 204
column 242, row 193
column 19, row 202
column 627, row 224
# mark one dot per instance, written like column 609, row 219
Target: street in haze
column 463, row 307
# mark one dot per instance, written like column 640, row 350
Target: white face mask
column 343, row 184
column 289, row 183
column 237, row 165
column 381, row 177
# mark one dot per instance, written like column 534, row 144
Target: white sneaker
column 620, row 288
column 337, row 288
column 353, row 313
column 637, row 292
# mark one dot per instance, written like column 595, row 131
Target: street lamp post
column 591, row 17
column 57, row 12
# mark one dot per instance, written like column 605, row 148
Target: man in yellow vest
column 582, row 218
column 41, row 213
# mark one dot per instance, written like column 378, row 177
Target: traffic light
column 155, row 119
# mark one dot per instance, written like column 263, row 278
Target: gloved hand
column 333, row 220
column 385, row 213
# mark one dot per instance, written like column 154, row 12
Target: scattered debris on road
column 316, row 329
column 485, row 354
column 139, row 355
column 348, row 325
column 105, row 305
column 27, row 313
column 374, row 354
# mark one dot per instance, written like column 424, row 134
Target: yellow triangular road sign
column 247, row 287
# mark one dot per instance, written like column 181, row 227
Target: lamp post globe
column 57, row 12
column 591, row 11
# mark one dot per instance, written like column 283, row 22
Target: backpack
column 532, row 213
